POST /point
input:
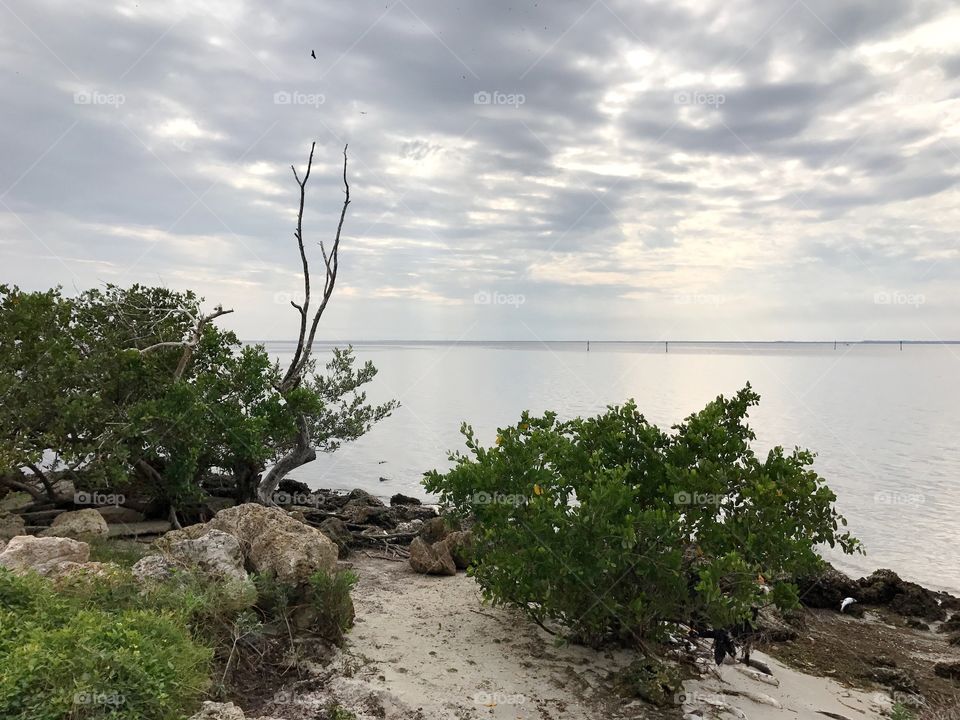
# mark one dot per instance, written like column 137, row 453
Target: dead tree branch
column 189, row 344
column 303, row 451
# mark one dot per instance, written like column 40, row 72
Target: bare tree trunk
column 303, row 451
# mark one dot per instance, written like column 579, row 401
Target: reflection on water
column 884, row 422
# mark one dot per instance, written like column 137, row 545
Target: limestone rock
column 78, row 524
column 45, row 555
column 11, row 525
column 216, row 554
column 271, row 541
column 153, row 568
column 459, row 544
column 336, row 530
column 432, row 559
column 434, row 530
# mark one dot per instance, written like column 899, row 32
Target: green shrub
column 330, row 597
column 63, row 658
column 610, row 526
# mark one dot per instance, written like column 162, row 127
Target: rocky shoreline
column 426, row 647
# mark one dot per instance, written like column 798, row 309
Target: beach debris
column 847, row 601
column 759, row 676
column 756, row 697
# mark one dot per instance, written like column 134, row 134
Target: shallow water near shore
column 885, row 422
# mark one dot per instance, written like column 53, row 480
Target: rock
column 900, row 680
column 459, row 544
column 950, row 670
column 219, row 711
column 431, row 559
column 434, row 530
column 11, row 525
column 120, row 515
column 400, row 499
column 408, row 513
column 878, row 588
column 223, row 711
column 336, row 530
column 369, row 515
column 78, row 524
column 293, row 487
column 275, row 543
column 15, row 501
column 884, row 587
column 45, row 555
column 826, row 589
column 216, row 554
column 951, row 625
column 153, row 568
column 362, row 497
column 915, row 624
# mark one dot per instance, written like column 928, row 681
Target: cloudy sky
column 551, row 169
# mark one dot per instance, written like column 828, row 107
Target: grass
column 109, row 647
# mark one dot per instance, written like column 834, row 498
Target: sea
column 883, row 419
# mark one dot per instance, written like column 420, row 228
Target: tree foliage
column 108, row 385
column 610, row 526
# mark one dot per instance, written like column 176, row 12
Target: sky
column 522, row 170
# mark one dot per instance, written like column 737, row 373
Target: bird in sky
column 313, row 54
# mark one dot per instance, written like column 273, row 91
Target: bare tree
column 303, row 450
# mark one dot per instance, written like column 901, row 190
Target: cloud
column 602, row 160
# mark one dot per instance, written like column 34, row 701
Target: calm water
column 884, row 422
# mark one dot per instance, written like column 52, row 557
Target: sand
column 426, row 648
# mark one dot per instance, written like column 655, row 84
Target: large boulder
column 11, row 525
column 400, row 499
column 459, row 544
column 432, row 559
column 434, row 530
column 272, row 542
column 78, row 524
column 215, row 554
column 48, row 556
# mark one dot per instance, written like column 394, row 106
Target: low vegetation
column 107, row 646
column 609, row 527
